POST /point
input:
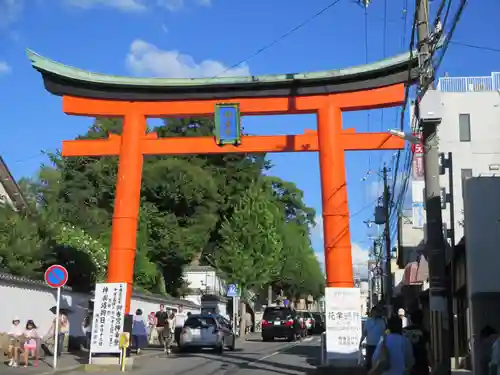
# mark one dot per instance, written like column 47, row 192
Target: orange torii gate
column 326, row 94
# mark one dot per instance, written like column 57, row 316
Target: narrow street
column 251, row 357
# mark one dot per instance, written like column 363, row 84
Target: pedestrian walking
column 373, row 331
column 394, row 353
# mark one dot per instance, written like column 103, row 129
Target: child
column 30, row 344
column 15, row 334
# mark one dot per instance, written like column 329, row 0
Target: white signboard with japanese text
column 108, row 317
column 343, row 323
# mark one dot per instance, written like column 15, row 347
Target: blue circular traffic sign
column 56, row 276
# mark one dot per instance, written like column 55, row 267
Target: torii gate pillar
column 337, row 242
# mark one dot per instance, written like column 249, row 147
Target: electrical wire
column 400, row 197
column 368, row 118
column 364, row 208
column 454, row 23
column 409, row 154
column 283, row 36
column 482, row 48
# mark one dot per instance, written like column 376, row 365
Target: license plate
column 277, row 323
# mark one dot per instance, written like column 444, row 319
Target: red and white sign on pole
column 418, row 159
column 418, row 148
column 56, row 276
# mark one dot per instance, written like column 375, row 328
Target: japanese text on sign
column 343, row 322
column 108, row 318
column 227, row 122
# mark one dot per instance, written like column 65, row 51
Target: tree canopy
column 220, row 210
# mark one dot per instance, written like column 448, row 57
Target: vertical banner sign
column 108, row 318
column 418, row 160
column 343, row 323
column 227, row 124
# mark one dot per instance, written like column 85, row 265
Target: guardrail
column 470, row 84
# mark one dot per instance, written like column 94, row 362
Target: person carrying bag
column 383, row 362
column 394, row 352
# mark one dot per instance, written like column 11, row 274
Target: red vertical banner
column 418, row 159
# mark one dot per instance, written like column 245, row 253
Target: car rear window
column 271, row 313
column 200, row 322
column 318, row 317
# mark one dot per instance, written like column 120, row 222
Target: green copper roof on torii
column 61, row 79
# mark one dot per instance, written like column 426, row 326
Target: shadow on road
column 238, row 362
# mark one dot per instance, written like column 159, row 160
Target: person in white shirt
column 373, row 331
column 15, row 334
column 179, row 320
column 402, row 316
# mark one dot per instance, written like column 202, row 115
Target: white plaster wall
column 4, row 197
column 482, row 151
column 33, row 302
column 205, row 279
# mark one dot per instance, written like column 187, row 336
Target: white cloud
column 317, row 230
column 359, row 260
column 4, row 68
column 146, row 59
column 135, row 5
column 123, row 5
column 359, row 255
column 10, row 11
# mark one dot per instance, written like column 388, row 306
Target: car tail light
column 265, row 323
column 288, row 323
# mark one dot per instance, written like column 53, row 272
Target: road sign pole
column 235, row 310
column 56, row 276
column 56, row 328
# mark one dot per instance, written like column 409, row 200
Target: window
column 466, row 174
column 464, row 127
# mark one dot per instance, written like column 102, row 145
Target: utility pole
column 429, row 115
column 387, row 238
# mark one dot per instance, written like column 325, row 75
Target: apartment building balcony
column 470, row 84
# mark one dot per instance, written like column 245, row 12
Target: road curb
column 81, row 366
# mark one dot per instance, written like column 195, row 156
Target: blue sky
column 180, row 38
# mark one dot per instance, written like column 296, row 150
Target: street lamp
column 406, row 136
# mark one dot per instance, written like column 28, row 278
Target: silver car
column 207, row 331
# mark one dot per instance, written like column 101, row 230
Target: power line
column 368, row 115
column 284, row 36
column 403, row 188
column 475, row 46
column 364, row 208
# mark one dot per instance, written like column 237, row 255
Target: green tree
column 193, row 208
column 250, row 249
column 21, row 247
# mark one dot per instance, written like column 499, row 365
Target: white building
column 470, row 130
column 10, row 194
column 206, row 288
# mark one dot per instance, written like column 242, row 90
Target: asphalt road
column 252, row 357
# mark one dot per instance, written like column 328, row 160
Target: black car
column 280, row 322
column 319, row 326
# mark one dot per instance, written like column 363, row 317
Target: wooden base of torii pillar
column 330, row 140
